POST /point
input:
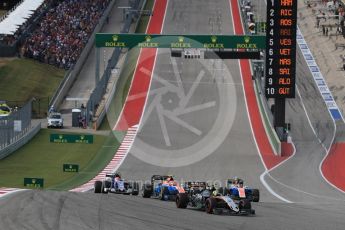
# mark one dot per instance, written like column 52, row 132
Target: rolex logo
column 82, row 137
column 60, row 136
column 180, row 39
column 246, row 39
column 214, row 39
column 70, row 166
column 33, row 181
column 115, row 38
column 148, row 38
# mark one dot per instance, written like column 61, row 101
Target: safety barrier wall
column 73, row 72
column 102, row 114
column 100, row 89
column 20, row 142
column 261, row 99
column 14, row 128
column 318, row 78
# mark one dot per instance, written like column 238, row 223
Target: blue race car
column 161, row 187
column 113, row 183
column 236, row 190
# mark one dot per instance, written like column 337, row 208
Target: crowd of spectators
column 63, row 32
column 26, row 26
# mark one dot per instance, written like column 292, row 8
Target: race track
column 195, row 125
column 85, row 211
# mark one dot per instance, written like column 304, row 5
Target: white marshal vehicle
column 55, row 120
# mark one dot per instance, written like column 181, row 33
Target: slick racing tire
column 147, row 190
column 256, row 195
column 98, row 186
column 107, row 184
column 135, row 188
column 244, row 205
column 210, row 204
column 104, row 186
column 182, row 200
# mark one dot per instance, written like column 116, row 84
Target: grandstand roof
column 18, row 16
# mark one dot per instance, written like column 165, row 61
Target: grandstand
column 18, row 22
column 73, row 19
column 6, row 5
column 63, row 32
column 10, row 22
column 52, row 32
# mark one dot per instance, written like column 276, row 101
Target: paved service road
column 192, row 99
column 85, row 82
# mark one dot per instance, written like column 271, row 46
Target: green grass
column 26, row 78
column 126, row 76
column 23, row 79
column 104, row 125
column 42, row 159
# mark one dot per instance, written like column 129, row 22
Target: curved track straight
column 237, row 154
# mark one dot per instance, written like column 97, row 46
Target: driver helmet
column 117, row 175
column 235, row 180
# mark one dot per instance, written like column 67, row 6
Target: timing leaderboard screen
column 281, row 48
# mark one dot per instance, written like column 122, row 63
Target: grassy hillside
column 42, row 159
column 23, row 79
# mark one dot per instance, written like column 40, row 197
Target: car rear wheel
column 256, row 195
column 182, row 200
column 98, row 186
column 104, row 187
column 210, row 204
column 245, row 205
column 135, row 188
column 147, row 190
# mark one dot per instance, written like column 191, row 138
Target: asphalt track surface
column 317, row 204
column 218, row 123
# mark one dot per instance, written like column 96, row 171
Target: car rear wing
column 110, row 175
column 160, row 177
column 195, row 184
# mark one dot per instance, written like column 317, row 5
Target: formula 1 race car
column 114, row 184
column 235, row 188
column 203, row 197
column 161, row 187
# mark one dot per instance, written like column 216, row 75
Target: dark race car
column 203, row 197
column 113, row 183
column 161, row 187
